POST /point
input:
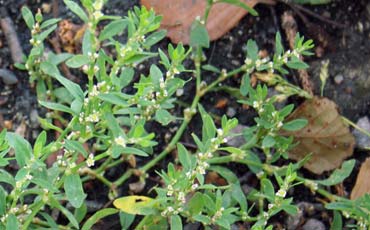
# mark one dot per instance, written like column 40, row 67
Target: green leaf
column 74, row 191
column 245, row 85
column 242, row 5
column 290, row 209
column 225, row 173
column 45, row 124
column 80, row 212
column 164, row 117
column 2, row 201
column 126, row 220
column 12, row 222
column 126, row 76
column 138, row 205
column 28, row 17
column 199, row 35
column 184, row 157
column 154, row 38
column 98, row 216
column 209, row 128
column 286, row 110
column 252, row 49
column 339, row 174
column 49, row 22
column 75, row 8
column 155, row 75
column 113, row 124
column 72, row 87
column 87, row 41
column 268, row 189
column 77, row 61
column 66, row 212
column 114, row 98
column 196, row 204
column 23, row 150
column 211, row 68
column 51, row 222
column 6, row 177
column 135, row 151
column 56, row 106
column 278, row 46
column 337, row 221
column 56, row 59
column 75, row 146
column 113, row 28
column 296, row 63
column 176, row 223
column 268, row 142
column 47, row 32
column 294, row 125
column 39, row 144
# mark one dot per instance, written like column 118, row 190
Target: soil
column 347, row 46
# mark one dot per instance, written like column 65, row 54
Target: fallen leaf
column 325, row 136
column 179, row 15
column 137, row 205
column 221, row 103
column 70, row 35
column 362, row 185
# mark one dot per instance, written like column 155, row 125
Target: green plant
column 106, row 124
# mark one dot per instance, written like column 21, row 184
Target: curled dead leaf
column 362, row 185
column 179, row 15
column 70, row 35
column 326, row 136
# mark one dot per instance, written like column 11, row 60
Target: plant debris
column 362, row 185
column 326, row 136
column 178, row 16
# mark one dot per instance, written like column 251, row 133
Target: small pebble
column 34, row 119
column 8, row 77
column 313, row 224
column 338, row 79
column 236, row 141
column 362, row 140
column 230, row 112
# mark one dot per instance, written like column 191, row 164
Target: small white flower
column 120, row 141
column 96, row 68
column 29, row 177
column 220, row 132
column 98, row 14
column 270, row 206
column 94, row 117
column 194, row 186
column 280, row 124
column 98, row 4
column 281, row 193
column 258, row 63
column 90, row 160
column 181, row 197
column 248, row 61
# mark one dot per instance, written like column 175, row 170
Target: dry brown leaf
column 325, row 136
column 179, row 15
column 362, row 185
column 70, row 35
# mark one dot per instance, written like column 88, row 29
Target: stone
column 362, row 140
column 313, row 224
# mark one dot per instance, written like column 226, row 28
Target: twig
column 298, row 8
column 290, row 26
column 11, row 36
